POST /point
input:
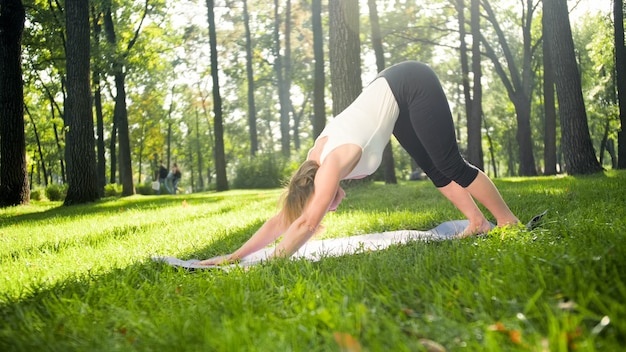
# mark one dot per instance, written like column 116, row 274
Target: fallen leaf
column 515, row 336
column 346, row 342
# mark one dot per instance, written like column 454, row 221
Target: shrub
column 145, row 189
column 56, row 192
column 263, row 171
column 37, row 194
column 112, row 190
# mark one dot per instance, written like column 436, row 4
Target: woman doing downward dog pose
column 407, row 100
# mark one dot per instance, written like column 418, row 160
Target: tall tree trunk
column 465, row 81
column 113, row 152
column 199, row 152
column 14, row 188
column 220, row 158
column 285, row 139
column 97, row 100
column 80, row 153
column 319, row 108
column 549, row 106
column 345, row 53
column 252, row 130
column 620, row 66
column 377, row 43
column 39, row 152
column 474, row 119
column 578, row 150
column 120, row 112
column 519, row 84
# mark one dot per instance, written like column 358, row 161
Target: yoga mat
column 315, row 250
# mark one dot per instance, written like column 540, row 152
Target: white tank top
column 368, row 123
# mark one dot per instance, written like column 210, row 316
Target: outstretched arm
column 268, row 233
column 301, row 230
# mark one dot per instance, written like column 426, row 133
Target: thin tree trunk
column 252, row 130
column 474, row 125
column 620, row 66
column 319, row 109
column 377, row 43
column 549, row 107
column 39, row 151
column 285, row 140
column 100, row 152
column 220, row 158
column 199, row 152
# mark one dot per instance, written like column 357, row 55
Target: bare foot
column 475, row 229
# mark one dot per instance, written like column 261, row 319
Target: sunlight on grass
column 81, row 277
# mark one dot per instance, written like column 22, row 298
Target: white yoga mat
column 315, row 250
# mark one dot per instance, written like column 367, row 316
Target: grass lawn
column 81, row 279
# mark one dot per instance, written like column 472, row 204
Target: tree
column 254, row 144
column 377, row 43
column 575, row 140
column 220, row 159
column 474, row 119
column 14, row 189
column 319, row 108
column 549, row 106
column 282, row 81
column 345, row 53
column 120, row 114
column 518, row 82
column 80, row 145
column 620, row 67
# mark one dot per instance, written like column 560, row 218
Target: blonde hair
column 299, row 191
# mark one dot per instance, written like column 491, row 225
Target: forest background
column 236, row 91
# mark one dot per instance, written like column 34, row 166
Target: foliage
column 55, row 192
column 112, row 190
column 85, row 281
column 264, row 171
column 37, row 194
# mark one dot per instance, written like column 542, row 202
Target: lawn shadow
column 105, row 206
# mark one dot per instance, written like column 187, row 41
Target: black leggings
column 425, row 127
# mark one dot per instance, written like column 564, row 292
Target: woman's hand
column 219, row 260
column 339, row 196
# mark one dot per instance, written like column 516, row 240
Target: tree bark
column 120, row 112
column 97, row 100
column 285, row 140
column 474, row 119
column 14, row 188
column 345, row 53
column 578, row 150
column 519, row 84
column 319, row 107
column 549, row 106
column 80, row 146
column 377, row 42
column 220, row 158
column 252, row 130
column 620, row 66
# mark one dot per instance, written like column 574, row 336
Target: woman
column 407, row 100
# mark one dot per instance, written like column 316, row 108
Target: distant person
column 162, row 179
column 174, row 176
column 407, row 100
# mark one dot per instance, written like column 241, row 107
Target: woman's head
column 299, row 191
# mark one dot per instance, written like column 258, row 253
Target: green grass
column 81, row 279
